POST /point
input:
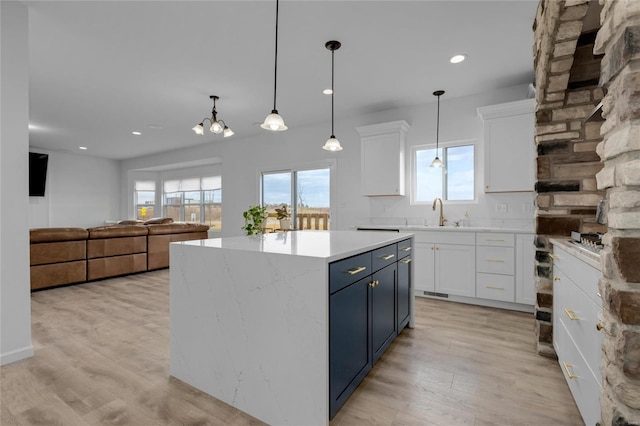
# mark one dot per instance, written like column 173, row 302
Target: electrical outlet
column 501, row 208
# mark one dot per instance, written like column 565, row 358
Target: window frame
column 442, row 146
column 202, row 204
column 136, row 191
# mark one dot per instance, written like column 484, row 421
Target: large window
column 455, row 183
column 306, row 194
column 194, row 200
column 145, row 199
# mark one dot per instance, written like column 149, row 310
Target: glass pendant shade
column 216, row 127
column 274, row 122
column 199, row 129
column 227, row 132
column 332, row 144
column 437, row 163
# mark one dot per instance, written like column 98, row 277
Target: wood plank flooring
column 102, row 358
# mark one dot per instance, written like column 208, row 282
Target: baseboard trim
column 16, row 355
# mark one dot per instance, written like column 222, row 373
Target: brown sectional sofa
column 62, row 256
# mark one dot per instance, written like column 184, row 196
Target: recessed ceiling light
column 136, row 133
column 154, row 126
column 457, row 59
column 82, row 147
column 327, row 91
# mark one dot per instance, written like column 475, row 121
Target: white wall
column 15, row 297
column 243, row 158
column 81, row 191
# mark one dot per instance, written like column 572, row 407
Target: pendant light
column 217, row 126
column 332, row 143
column 436, row 161
column 273, row 121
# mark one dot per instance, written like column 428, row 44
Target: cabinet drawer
column 584, row 387
column 495, row 287
column 579, row 314
column 495, row 260
column 495, row 239
column 384, row 256
column 585, row 276
column 346, row 271
column 404, row 248
column 445, row 237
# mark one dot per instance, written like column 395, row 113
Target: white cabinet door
column 455, row 269
column 382, row 158
column 509, row 146
column 423, row 267
column 525, row 258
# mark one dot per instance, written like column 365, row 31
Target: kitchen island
column 282, row 326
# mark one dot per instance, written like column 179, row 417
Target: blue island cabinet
column 368, row 307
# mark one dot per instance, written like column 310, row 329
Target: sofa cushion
column 115, row 231
column 177, row 228
column 46, row 235
column 57, row 252
column 43, row 276
column 105, row 247
column 131, row 222
column 158, row 221
column 105, row 267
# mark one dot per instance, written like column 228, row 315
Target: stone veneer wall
column 619, row 40
column 567, row 161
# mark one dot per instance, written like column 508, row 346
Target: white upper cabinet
column 509, row 146
column 382, row 155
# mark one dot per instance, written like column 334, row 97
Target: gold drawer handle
column 494, row 260
column 374, row 283
column 567, row 368
column 599, row 326
column 500, row 240
column 554, row 256
column 492, row 287
column 387, row 257
column 406, row 261
column 572, row 316
column 556, row 278
column 356, row 270
column 405, row 249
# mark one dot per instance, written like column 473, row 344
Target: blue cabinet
column 368, row 307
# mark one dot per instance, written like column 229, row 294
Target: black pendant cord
column 332, row 92
column 438, row 126
column 275, row 73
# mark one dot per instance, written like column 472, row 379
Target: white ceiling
column 102, row 69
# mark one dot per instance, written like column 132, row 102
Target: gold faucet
column 442, row 219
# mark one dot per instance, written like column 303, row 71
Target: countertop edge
column 592, row 259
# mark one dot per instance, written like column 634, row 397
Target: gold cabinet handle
column 495, row 239
column 556, row 278
column 599, row 326
column 494, row 260
column 406, row 261
column 554, row 256
column 405, row 249
column 374, row 283
column 356, row 270
column 493, row 287
column 572, row 316
column 387, row 257
column 567, row 368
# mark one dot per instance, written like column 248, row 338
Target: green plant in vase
column 283, row 215
column 254, row 220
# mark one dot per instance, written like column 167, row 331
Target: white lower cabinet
column 576, row 335
column 525, row 269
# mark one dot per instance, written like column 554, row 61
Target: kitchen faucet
column 442, row 219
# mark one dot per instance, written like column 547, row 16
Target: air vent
column 434, row 294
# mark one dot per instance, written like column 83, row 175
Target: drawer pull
column 494, row 260
column 388, row 256
column 556, row 278
column 554, row 256
column 572, row 316
column 374, row 283
column 405, row 249
column 567, row 368
column 356, row 270
column 492, row 287
column 500, row 240
column 599, row 326
column 406, row 261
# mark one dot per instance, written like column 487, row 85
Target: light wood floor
column 102, row 358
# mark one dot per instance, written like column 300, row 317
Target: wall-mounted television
column 37, row 173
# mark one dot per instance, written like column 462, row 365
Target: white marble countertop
column 583, row 254
column 412, row 228
column 330, row 245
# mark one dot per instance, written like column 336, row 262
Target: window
column 145, row 199
column 194, row 200
column 456, row 183
column 306, row 194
